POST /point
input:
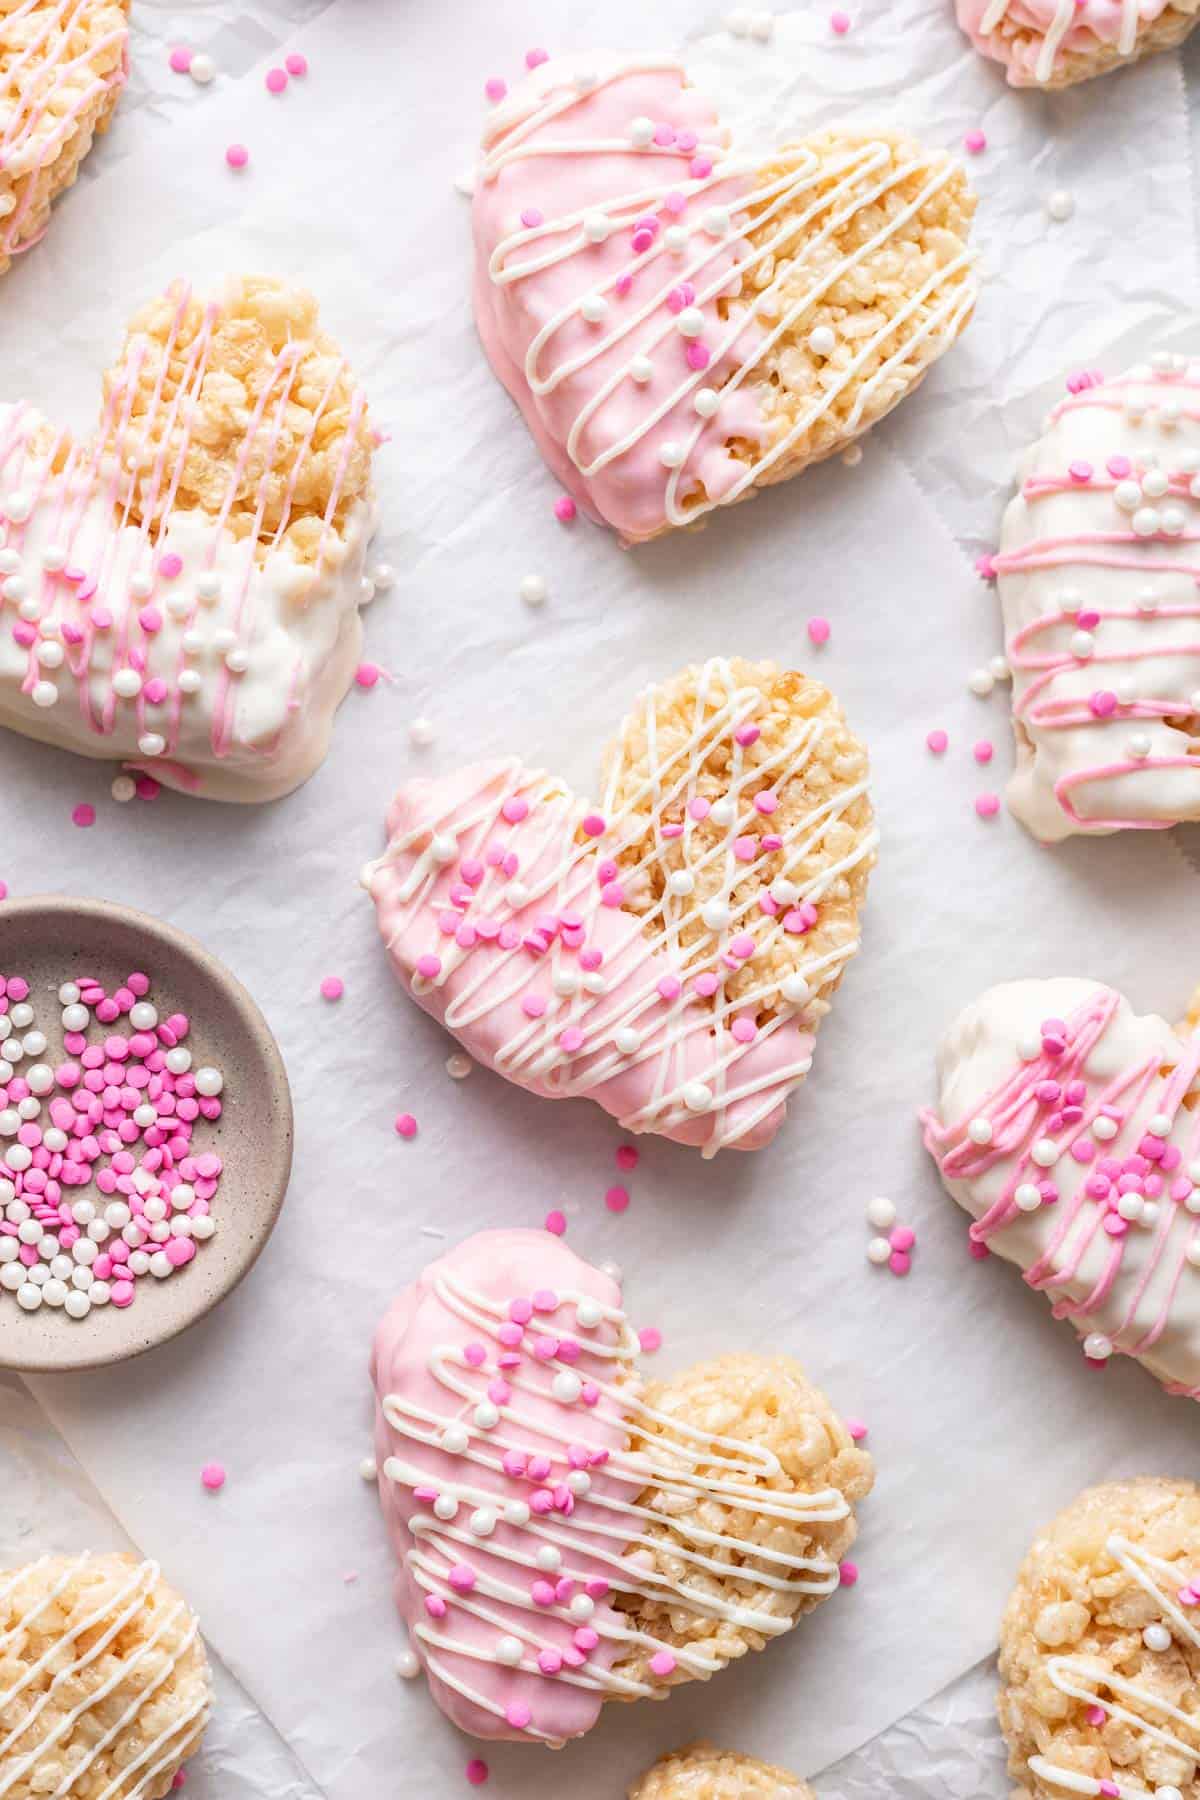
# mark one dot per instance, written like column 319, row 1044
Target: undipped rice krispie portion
column 880, row 244
column 1100, row 1646
column 702, row 1772
column 764, row 1401
column 104, row 1684
column 62, row 69
column 243, row 409
column 813, row 771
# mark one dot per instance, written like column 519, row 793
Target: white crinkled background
column 983, row 1416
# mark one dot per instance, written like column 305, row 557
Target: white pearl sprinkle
column 1105, row 1128
column 508, row 1651
column 1097, row 1347
column 981, row 682
column 455, row 1439
column 671, row 454
column 588, row 1314
column 715, row 221
column 878, row 1250
column 1159, row 1125
column 706, row 402
column 1139, row 745
column 548, row 1557
column 716, row 914
column 697, row 1097
column 1028, row 1197
column 795, row 990
column 1146, row 521
column 998, row 669
column 594, row 308
column 821, row 341
column 681, row 883
column 642, row 369
column 566, row 1387
column 43, row 693
column 209, row 1081
column 1083, row 645
column 1193, row 1250
column 445, row 1507
column 483, row 1522
column 202, row 68
column 1060, row 205
column 596, row 227
column 487, row 1415
column 980, row 1131
column 1045, row 1153
column 641, row 132
column 675, row 238
column 1155, row 483
column 1130, row 1206
column 127, row 683
column 533, row 590
column 1128, row 496
column 881, row 1213
column 1157, row 1637
column 690, row 322
column 627, row 1040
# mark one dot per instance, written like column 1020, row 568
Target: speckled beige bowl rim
column 70, row 1355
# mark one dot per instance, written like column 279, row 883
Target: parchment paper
column 983, row 1416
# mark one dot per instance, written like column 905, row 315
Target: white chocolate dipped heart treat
column 1100, row 1649
column 63, row 66
column 1097, row 573
column 1068, row 1127
column 180, row 592
column 683, row 321
column 105, row 1688
column 1055, row 43
column 669, row 951
column 570, row 1533
column 702, row 1772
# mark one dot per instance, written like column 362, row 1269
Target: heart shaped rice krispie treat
column 1097, row 577
column 668, row 952
column 1068, row 1127
column 104, row 1685
column 569, row 1532
column 180, row 591
column 1100, row 1648
column 1054, row 43
column 682, row 322
column 702, row 1772
column 63, row 64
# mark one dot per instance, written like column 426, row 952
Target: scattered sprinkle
column 987, row 805
column 421, row 733
column 556, row 1223
column 367, row 674
column 332, row 988
column 533, row 590
column 181, row 60
column 213, row 1477
column 938, row 742
column 839, row 22
column 83, row 815
column 650, row 1338
column 458, row 1066
column 818, row 631
column 899, row 1262
column 857, row 1429
column 983, row 751
column 203, row 69
column 1060, row 205
column 123, row 789
column 406, row 1125
column 368, row 1468
column 237, row 156
column 627, row 1156
column 617, row 1199
column 975, row 142
column 276, row 81
column 564, row 509
column 847, row 1573
column 881, row 1213
column 535, row 58
column 296, row 64
column 495, row 87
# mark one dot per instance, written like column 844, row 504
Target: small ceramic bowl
column 50, row 939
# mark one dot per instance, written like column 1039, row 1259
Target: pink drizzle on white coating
column 1098, row 571
column 603, row 262
column 1081, row 1163
column 498, row 921
column 506, row 1391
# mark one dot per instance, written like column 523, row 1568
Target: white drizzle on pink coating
column 502, row 1440
column 1077, row 25
column 1064, row 1128
column 68, row 1661
column 1097, row 570
column 215, row 659
column 601, row 279
column 1149, row 1714
column 513, row 931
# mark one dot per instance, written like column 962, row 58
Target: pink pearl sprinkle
column 477, row 1771
column 1096, row 1715
column 983, row 751
column 535, row 58
column 517, row 1715
column 650, row 1337
column 818, row 631
column 857, row 1429
column 839, row 22
column 1102, row 703
column 556, row 1223
column 987, row 805
column 627, row 1156
column 698, row 356
column 938, row 742
column 662, row 1664
column 593, row 825
column 847, row 1573
column 1080, row 471
column 367, row 674
column 83, row 815
column 181, row 59
column 237, row 156
column 564, row 509
column 213, row 1476
column 276, row 80
column 406, row 1125
column 902, row 1238
column 461, row 1578
column 495, row 88
column 975, row 142
column 899, row 1263
column 296, row 64
column 332, row 987
column 616, row 1199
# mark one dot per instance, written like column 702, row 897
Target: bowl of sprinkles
column 145, row 1133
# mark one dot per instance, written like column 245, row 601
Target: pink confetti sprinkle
column 857, row 1429
column 296, row 63
column 535, row 58
column 617, row 1199
column 899, row 1263
column 987, row 805
column 839, row 22
column 495, row 87
column 181, row 59
column 213, row 1476
column 406, row 1125
column 818, row 631
column 477, row 1771
column 983, row 751
column 975, row 142
column 662, row 1664
column 332, row 988
column 367, row 674
column 83, row 815
column 237, row 156
column 564, row 509
column 556, row 1223
column 276, row 81
column 937, row 741
column 902, row 1238
column 847, row 1573
column 650, row 1338
column 627, row 1156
